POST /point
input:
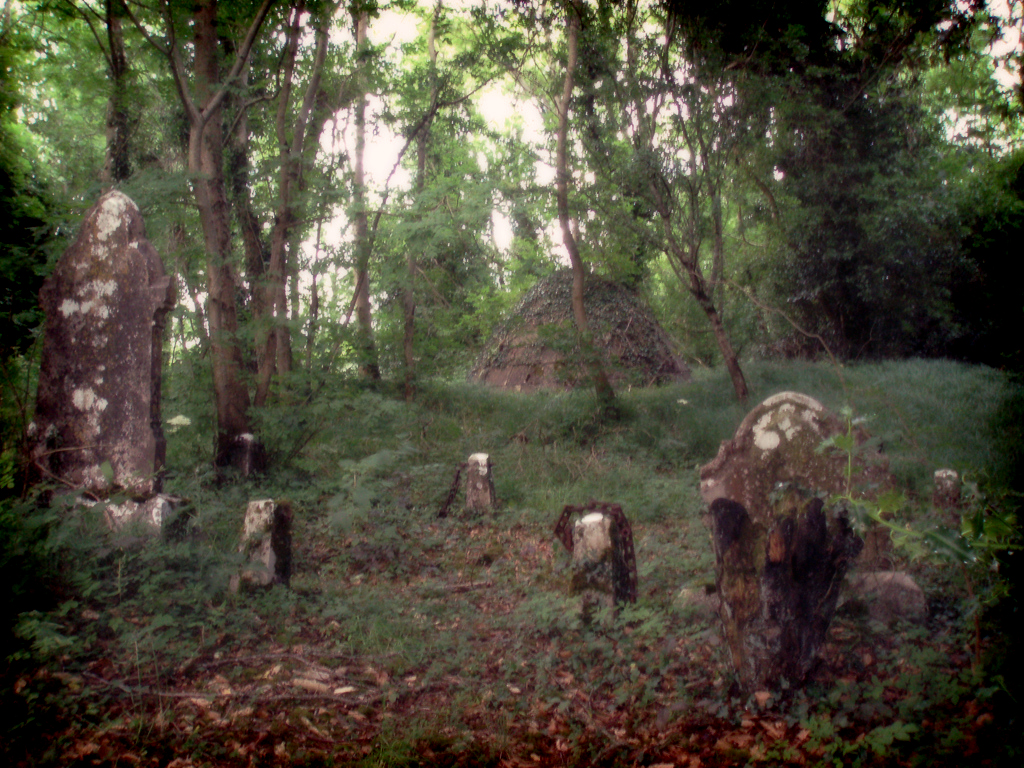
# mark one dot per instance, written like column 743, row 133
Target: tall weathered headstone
column 98, row 406
column 779, row 442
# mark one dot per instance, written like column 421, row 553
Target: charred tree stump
column 779, row 584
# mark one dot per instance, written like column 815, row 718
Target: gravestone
column 779, row 581
column 480, row 494
column 266, row 544
column 947, row 492
column 779, row 442
column 97, row 421
column 603, row 561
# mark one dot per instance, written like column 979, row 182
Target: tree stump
column 480, row 494
column 266, row 544
column 779, row 584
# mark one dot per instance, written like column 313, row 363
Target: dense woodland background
column 350, row 197
column 370, row 186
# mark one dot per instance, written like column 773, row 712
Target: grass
column 409, row 640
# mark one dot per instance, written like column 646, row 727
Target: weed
column 411, row 640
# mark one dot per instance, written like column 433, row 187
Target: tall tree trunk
column 255, row 248
column 364, row 312
column 602, row 386
column 409, row 291
column 207, row 169
column 732, row 363
column 296, row 135
column 117, row 166
column 685, row 257
column 687, row 268
column 205, row 165
column 422, row 144
column 314, row 304
column 717, row 252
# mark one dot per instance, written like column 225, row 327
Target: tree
column 574, row 14
column 203, row 101
column 872, row 236
column 297, row 130
column 106, row 24
column 661, row 136
column 360, row 216
column 26, row 205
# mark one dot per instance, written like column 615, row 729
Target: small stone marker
column 267, row 544
column 480, row 494
column 779, row 583
column 98, row 405
column 603, row 561
column 149, row 516
column 947, row 489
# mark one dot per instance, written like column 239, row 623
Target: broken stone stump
column 97, row 422
column 266, row 544
column 779, row 582
column 480, row 494
column 946, row 494
column 603, row 561
column 245, row 454
column 147, row 517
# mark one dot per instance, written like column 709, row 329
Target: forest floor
column 405, row 639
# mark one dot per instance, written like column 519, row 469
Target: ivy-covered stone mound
column 537, row 345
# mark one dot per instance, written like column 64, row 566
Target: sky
column 393, row 29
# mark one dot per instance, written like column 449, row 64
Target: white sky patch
column 502, row 111
column 1006, row 43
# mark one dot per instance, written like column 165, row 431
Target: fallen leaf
column 775, row 729
column 306, row 722
column 272, row 672
column 82, row 748
column 311, row 685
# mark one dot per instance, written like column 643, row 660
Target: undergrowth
column 406, row 639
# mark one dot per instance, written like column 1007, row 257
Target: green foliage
column 404, row 609
column 874, row 236
column 985, row 532
column 991, row 205
column 27, row 207
column 29, row 564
